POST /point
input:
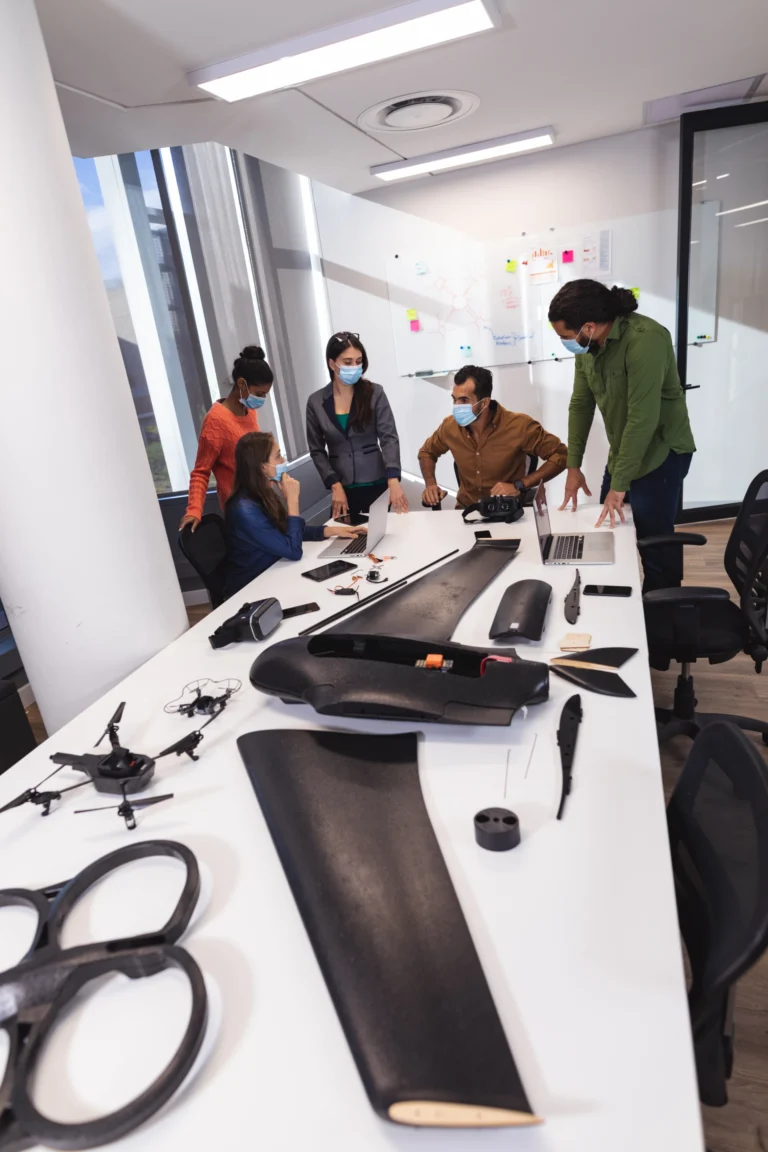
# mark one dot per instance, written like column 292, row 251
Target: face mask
column 464, row 414
column 280, row 470
column 350, row 375
column 574, row 346
column 252, row 401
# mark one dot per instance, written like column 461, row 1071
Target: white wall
column 601, row 181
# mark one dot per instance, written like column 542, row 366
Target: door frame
column 732, row 116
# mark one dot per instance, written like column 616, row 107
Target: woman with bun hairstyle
column 224, row 424
column 351, row 432
column 625, row 366
column 262, row 514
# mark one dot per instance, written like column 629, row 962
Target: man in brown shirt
column 489, row 444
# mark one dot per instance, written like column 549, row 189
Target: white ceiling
column 586, row 69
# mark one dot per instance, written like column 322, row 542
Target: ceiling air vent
column 418, row 111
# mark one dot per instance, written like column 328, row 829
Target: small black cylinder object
column 497, row 829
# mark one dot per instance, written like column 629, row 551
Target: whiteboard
column 487, row 302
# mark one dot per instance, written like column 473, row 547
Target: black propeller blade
column 113, row 723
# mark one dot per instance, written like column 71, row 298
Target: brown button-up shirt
column 498, row 456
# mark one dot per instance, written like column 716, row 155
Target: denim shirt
column 254, row 542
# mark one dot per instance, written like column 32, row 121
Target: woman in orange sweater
column 225, row 423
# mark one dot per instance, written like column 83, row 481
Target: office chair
column 206, row 550
column 688, row 624
column 531, row 466
column 718, row 831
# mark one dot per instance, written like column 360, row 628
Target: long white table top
column 576, row 928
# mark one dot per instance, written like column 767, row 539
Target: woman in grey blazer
column 351, row 432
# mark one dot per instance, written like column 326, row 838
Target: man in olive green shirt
column 628, row 371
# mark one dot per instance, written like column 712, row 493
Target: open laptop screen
column 541, row 515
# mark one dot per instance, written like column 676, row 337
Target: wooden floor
column 734, row 687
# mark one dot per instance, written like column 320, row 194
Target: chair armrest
column 679, row 538
column 685, row 595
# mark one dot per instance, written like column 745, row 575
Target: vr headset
column 495, row 509
column 254, row 621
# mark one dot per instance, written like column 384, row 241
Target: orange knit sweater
column 216, row 453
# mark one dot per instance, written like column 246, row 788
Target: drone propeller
column 204, row 699
column 186, row 745
column 44, row 799
column 112, row 724
column 126, row 807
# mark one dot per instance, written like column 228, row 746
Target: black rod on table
column 376, row 596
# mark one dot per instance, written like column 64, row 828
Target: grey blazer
column 352, row 457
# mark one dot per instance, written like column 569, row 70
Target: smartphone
column 481, row 534
column 326, row 571
column 607, row 590
column 300, row 610
column 352, row 518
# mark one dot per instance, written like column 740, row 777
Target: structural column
column 86, row 573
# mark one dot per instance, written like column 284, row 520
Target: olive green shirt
column 633, row 380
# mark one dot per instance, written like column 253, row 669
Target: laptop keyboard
column 356, row 547
column 568, row 548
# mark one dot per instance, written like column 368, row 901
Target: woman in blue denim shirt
column 262, row 514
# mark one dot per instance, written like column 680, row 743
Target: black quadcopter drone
column 121, row 772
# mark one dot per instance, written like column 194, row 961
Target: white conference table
column 576, row 928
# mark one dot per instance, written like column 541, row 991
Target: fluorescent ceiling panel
column 477, row 153
column 395, row 32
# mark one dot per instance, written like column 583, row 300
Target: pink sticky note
column 415, row 326
column 568, row 256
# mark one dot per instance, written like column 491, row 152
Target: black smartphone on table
column 607, row 590
column 326, row 571
column 482, row 534
column 355, row 519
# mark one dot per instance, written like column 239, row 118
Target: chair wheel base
column 670, row 724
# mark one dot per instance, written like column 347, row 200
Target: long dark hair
column 252, row 367
column 363, row 389
column 581, row 302
column 252, row 451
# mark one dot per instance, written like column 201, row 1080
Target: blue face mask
column 464, row 414
column 252, row 401
column 280, row 470
column 350, row 375
column 574, row 346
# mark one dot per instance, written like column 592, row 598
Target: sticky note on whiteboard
column 635, row 292
column 511, row 266
column 567, row 257
column 421, row 269
column 412, row 314
column 415, row 326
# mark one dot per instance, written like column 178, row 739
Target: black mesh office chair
column 206, row 550
column 687, row 624
column 718, row 831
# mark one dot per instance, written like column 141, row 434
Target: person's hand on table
column 575, row 481
column 344, row 530
column 505, row 490
column 397, row 496
column 613, row 506
column 193, row 521
column 339, row 502
column 433, row 494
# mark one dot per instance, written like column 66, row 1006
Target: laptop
column 587, row 548
column 361, row 545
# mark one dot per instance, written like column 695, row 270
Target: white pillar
column 86, row 574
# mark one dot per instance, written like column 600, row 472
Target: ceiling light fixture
column 746, row 224
column 724, row 176
column 380, row 36
column 698, row 183
column 743, row 208
column 467, row 154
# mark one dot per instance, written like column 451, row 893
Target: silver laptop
column 588, row 548
column 377, row 527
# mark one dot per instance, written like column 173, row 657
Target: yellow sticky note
column 635, row 292
column 412, row 314
column 511, row 266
